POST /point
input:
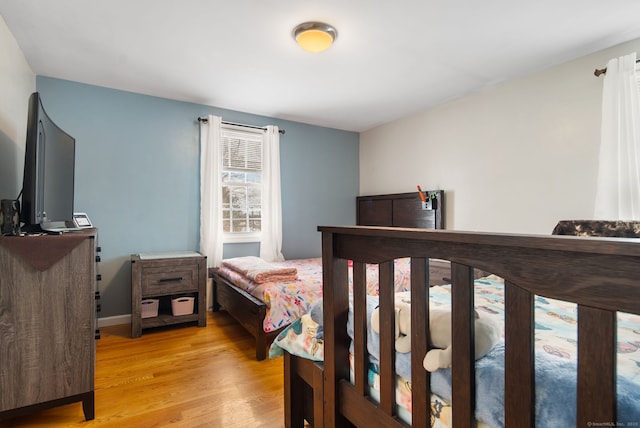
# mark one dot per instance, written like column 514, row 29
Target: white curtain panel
column 271, row 242
column 618, row 185
column 211, row 233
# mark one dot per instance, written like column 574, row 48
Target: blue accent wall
column 137, row 176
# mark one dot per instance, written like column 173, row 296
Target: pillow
column 603, row 228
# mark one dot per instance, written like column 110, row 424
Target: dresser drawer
column 169, row 279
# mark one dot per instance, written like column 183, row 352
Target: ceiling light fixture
column 314, row 36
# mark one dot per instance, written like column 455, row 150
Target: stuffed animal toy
column 487, row 335
column 310, row 334
column 316, row 314
column 309, row 326
column 402, row 323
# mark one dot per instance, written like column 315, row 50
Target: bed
column 598, row 274
column 250, row 304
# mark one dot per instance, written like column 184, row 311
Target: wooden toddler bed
column 395, row 210
column 600, row 275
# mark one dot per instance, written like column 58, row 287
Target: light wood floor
column 183, row 376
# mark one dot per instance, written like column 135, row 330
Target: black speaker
column 10, row 215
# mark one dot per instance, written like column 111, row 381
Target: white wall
column 514, row 158
column 17, row 82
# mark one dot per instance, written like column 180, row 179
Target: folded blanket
column 259, row 270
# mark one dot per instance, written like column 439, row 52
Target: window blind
column 241, row 151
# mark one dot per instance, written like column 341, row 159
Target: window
column 241, row 183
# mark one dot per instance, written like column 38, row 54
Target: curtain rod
column 600, row 71
column 205, row 120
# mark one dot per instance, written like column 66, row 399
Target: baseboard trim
column 116, row 320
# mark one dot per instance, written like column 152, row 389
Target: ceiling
column 391, row 58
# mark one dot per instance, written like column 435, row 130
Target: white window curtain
column 271, row 241
column 618, row 185
column 211, row 235
column 211, row 230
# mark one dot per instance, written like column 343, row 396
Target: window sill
column 241, row 238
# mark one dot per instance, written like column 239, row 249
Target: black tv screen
column 49, row 165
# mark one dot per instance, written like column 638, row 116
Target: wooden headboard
column 401, row 210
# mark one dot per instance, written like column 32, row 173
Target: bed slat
column 387, row 339
column 596, row 366
column 519, row 357
column 362, row 412
column 360, row 326
column 336, row 311
column 420, row 378
column 462, row 365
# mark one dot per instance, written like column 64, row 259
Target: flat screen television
column 49, row 164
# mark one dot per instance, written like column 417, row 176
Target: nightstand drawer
column 439, row 272
column 169, row 279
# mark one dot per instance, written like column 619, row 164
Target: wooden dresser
column 47, row 322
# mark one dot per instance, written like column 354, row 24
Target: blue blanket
column 556, row 384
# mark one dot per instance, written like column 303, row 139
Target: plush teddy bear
column 402, row 323
column 316, row 314
column 487, row 335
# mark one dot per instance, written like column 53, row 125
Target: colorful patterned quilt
column 288, row 301
column 555, row 344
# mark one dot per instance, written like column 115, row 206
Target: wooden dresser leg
column 88, row 406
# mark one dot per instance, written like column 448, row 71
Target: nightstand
column 164, row 279
column 440, row 272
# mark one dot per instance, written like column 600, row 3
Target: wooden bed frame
column 599, row 274
column 397, row 210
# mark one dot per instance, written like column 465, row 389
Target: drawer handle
column 178, row 278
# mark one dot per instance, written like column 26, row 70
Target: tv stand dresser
column 47, row 322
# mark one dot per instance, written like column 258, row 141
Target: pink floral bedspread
column 288, row 301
